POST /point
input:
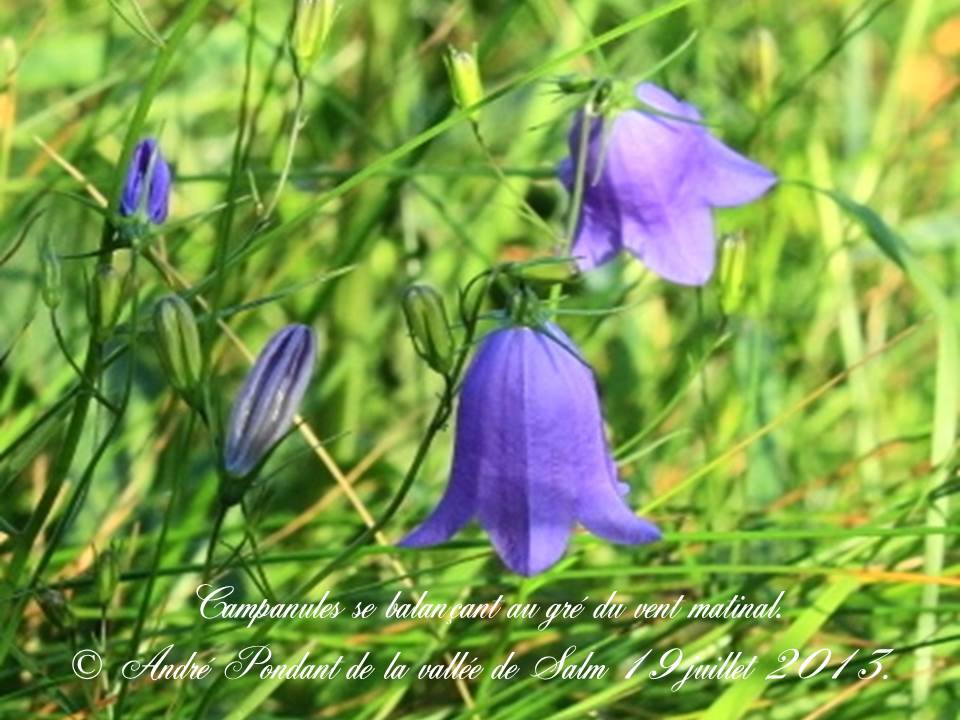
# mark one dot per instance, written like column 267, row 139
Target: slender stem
column 154, row 566
column 298, row 123
column 224, row 229
column 576, row 200
column 437, row 422
column 88, row 386
column 528, row 211
column 58, row 474
column 214, row 538
column 439, row 419
column 580, row 172
column 94, row 357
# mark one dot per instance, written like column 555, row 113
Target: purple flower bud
column 649, row 186
column 530, row 457
column 147, row 187
column 264, row 408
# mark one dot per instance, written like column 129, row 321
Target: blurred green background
column 802, row 443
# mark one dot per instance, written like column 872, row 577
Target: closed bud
column 733, row 262
column 178, row 343
column 146, row 188
column 56, row 609
column 105, row 300
column 464, row 74
column 761, row 60
column 310, row 30
column 264, row 409
column 429, row 328
column 106, row 576
column 51, row 279
column 546, row 271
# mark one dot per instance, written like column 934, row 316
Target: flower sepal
column 232, row 489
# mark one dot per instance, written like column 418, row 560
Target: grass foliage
column 804, row 443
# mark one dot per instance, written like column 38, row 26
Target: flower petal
column 474, row 425
column 525, row 498
column 455, row 510
column 597, row 237
column 159, row 200
column 601, row 510
column 658, row 98
column 136, row 172
column 600, row 507
column 676, row 243
column 729, row 179
column 269, row 398
column 652, row 161
column 596, row 240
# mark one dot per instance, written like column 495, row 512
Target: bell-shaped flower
column 264, row 409
column 530, row 456
column 146, row 189
column 650, row 182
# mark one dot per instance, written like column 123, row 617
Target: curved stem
column 87, row 385
column 437, row 423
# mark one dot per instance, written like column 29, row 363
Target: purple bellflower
column 649, row 186
column 266, row 404
column 530, row 457
column 147, row 185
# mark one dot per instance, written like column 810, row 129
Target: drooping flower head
column 147, row 185
column 270, row 397
column 650, row 181
column 530, row 456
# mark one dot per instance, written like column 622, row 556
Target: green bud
column 546, row 271
column 575, row 84
column 733, row 261
column 464, row 74
column 8, row 60
column 310, row 29
column 56, row 609
column 106, row 576
column 51, row 277
column 178, row 342
column 761, row 60
column 428, row 326
column 105, row 300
